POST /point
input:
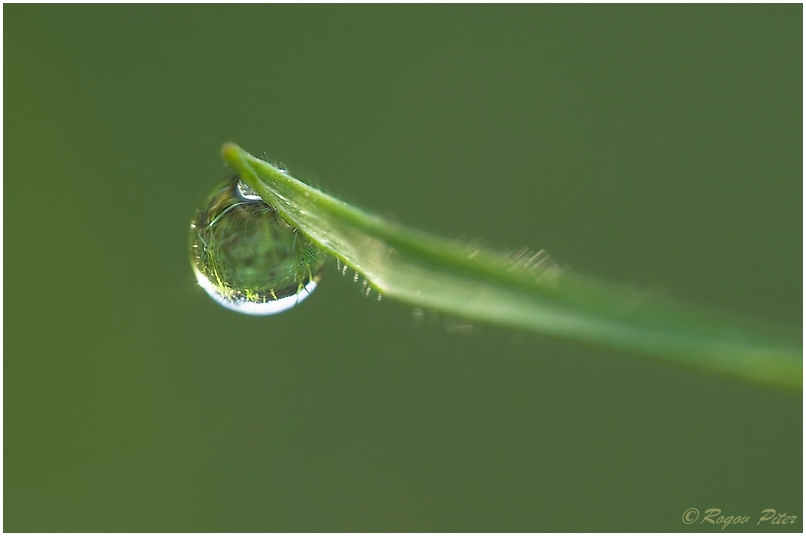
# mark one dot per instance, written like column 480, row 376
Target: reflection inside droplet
column 247, row 258
column 247, row 192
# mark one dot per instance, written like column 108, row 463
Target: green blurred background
column 653, row 146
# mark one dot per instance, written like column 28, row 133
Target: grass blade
column 482, row 285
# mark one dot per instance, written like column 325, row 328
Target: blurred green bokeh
column 654, row 146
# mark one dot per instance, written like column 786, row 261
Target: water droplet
column 247, row 257
column 453, row 325
column 355, row 278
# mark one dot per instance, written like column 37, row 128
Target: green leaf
column 527, row 292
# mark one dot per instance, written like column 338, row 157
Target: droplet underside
column 247, row 258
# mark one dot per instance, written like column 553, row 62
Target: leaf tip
column 230, row 151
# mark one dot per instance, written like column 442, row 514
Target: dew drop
column 247, row 258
